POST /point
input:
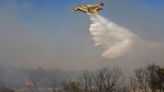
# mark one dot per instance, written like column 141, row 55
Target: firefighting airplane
column 89, row 8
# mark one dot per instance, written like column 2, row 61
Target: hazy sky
column 46, row 33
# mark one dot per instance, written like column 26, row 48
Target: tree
column 142, row 79
column 150, row 78
column 108, row 80
column 133, row 86
column 4, row 88
column 156, row 78
column 86, row 81
column 73, row 86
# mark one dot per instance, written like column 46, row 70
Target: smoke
column 113, row 38
column 117, row 40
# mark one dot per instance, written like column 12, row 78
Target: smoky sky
column 33, row 37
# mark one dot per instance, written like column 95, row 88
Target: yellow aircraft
column 89, row 8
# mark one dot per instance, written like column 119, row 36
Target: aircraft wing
column 83, row 9
column 89, row 5
column 80, row 9
column 93, row 7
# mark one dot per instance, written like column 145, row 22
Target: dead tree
column 108, row 80
column 86, row 81
column 142, row 79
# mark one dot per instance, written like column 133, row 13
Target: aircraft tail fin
column 101, row 4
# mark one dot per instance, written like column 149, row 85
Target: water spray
column 113, row 38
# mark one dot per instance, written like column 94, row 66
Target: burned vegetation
column 145, row 79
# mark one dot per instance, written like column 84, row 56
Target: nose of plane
column 74, row 9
